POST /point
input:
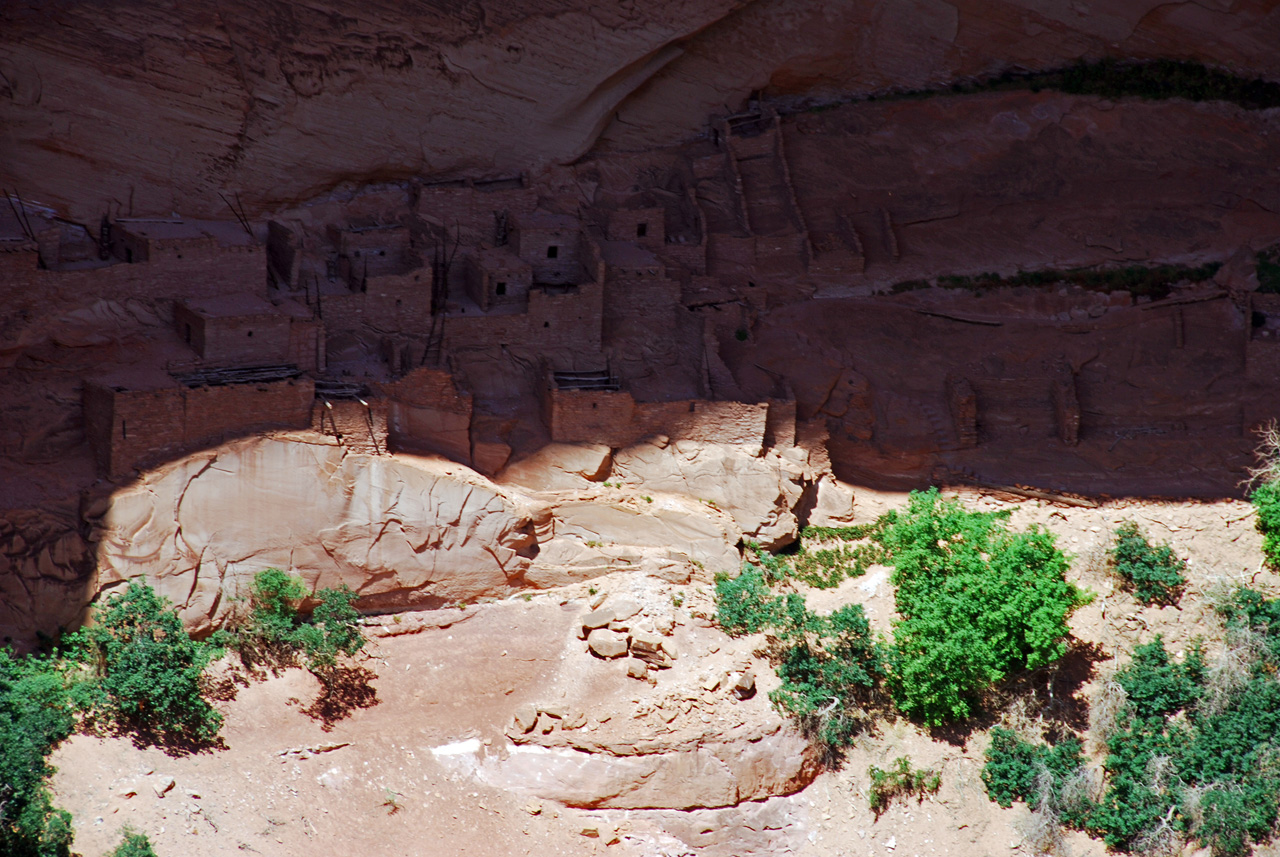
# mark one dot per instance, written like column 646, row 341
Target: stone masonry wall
column 227, row 271
column 130, row 428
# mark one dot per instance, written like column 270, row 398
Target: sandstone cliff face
column 153, row 107
column 397, row 530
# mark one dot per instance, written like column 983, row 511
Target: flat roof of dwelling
column 226, row 232
column 234, row 306
column 625, row 254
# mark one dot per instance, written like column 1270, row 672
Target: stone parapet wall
column 555, row 321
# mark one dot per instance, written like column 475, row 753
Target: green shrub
column 1152, row 572
column 900, row 781
column 1184, row 762
column 976, row 602
column 133, row 844
column 35, row 715
column 333, row 629
column 1266, row 500
column 276, row 633
column 146, row 670
column 828, row 665
column 744, row 604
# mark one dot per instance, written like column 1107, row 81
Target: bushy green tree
column 975, row 601
column 35, row 715
column 146, row 670
column 333, row 629
column 1152, row 572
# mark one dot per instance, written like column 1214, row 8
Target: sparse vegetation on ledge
column 1111, row 78
column 1154, row 282
column 901, row 780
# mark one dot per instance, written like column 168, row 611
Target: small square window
column 501, row 289
column 553, row 252
column 642, row 229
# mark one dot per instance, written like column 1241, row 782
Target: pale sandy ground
column 283, row 786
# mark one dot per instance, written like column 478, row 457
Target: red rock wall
column 162, row 105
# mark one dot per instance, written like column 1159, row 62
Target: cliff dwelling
column 746, row 428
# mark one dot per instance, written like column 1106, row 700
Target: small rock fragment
column 592, row 832
column 526, row 716
column 746, row 686
column 625, row 608
column 597, row 619
column 162, row 785
column 637, row 668
column 669, row 646
column 607, row 644
column 713, row 682
column 645, row 642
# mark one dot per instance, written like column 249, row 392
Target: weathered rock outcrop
column 45, row 571
column 715, row 771
column 761, row 492
column 399, row 530
column 153, row 107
